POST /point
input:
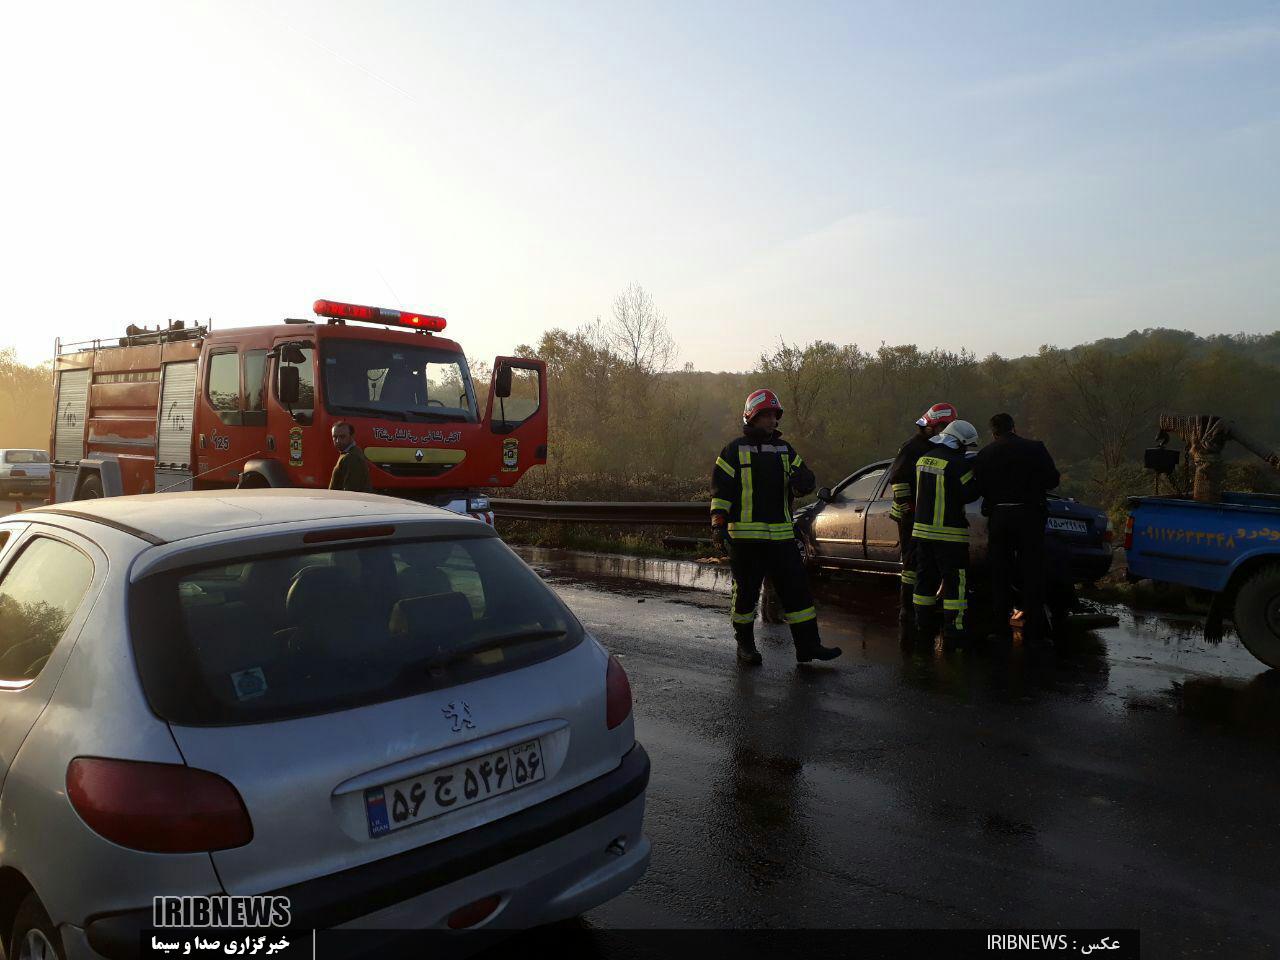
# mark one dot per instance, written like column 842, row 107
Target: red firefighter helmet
column 760, row 401
column 939, row 415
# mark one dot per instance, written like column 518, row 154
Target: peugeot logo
column 460, row 714
column 417, row 455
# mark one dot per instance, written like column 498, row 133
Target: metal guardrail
column 658, row 513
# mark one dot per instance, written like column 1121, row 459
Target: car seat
column 326, row 611
column 433, row 626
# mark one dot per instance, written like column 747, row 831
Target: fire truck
column 185, row 408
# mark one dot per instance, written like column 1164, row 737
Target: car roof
column 165, row 517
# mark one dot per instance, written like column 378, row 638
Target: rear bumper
column 373, row 891
column 1088, row 564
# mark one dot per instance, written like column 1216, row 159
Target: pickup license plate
column 1061, row 523
column 406, row 802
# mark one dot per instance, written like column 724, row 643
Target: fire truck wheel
column 91, row 489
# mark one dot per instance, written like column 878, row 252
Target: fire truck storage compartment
column 175, row 424
column 68, row 428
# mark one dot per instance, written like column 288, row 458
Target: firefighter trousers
column 907, row 551
column 780, row 561
column 941, row 564
column 1016, row 533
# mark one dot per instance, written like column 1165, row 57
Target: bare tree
column 803, row 373
column 638, row 332
column 1113, row 399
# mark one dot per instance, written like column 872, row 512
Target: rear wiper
column 374, row 411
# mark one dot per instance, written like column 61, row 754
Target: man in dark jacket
column 1013, row 474
column 944, row 484
column 752, row 485
column 902, row 477
column 351, row 472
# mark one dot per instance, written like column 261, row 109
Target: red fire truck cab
column 186, row 408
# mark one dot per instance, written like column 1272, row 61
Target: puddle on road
column 1148, row 663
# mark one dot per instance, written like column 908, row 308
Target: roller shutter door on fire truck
column 177, row 413
column 73, row 402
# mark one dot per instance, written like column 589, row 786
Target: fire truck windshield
column 371, row 378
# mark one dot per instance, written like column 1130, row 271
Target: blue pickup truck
column 1230, row 548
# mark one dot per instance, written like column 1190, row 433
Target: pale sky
column 988, row 175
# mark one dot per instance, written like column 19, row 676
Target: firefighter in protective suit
column 944, row 484
column 902, row 477
column 752, row 486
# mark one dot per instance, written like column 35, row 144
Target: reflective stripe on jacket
column 902, row 475
column 753, row 483
column 944, row 484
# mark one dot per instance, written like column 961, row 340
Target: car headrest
column 432, row 624
column 422, row 581
column 318, row 591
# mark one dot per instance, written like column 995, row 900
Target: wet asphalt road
column 1134, row 782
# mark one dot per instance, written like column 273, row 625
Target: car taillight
column 158, row 807
column 617, row 694
column 1128, row 532
column 1107, row 533
column 15, row 472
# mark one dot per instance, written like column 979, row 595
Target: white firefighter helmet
column 961, row 433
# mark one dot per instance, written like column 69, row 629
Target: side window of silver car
column 38, row 597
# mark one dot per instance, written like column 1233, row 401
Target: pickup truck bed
column 1230, row 548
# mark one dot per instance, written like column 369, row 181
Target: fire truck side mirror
column 290, row 381
column 502, row 382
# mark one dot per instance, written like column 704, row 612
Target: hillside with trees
column 623, row 427
column 628, row 423
column 26, row 402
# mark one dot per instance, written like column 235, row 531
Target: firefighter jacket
column 944, row 484
column 902, row 475
column 753, row 483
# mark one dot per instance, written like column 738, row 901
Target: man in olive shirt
column 351, row 472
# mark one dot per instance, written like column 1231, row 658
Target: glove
column 802, row 488
column 718, row 539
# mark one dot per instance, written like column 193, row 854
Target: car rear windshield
column 26, row 456
column 272, row 637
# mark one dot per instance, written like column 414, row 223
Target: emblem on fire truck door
column 510, row 455
column 295, row 446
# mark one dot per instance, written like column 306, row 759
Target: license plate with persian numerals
column 406, row 802
column 1062, row 523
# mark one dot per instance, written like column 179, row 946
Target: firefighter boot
column 955, row 629
column 906, row 615
column 927, row 624
column 747, row 652
column 809, row 645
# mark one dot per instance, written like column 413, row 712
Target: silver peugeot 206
column 372, row 708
